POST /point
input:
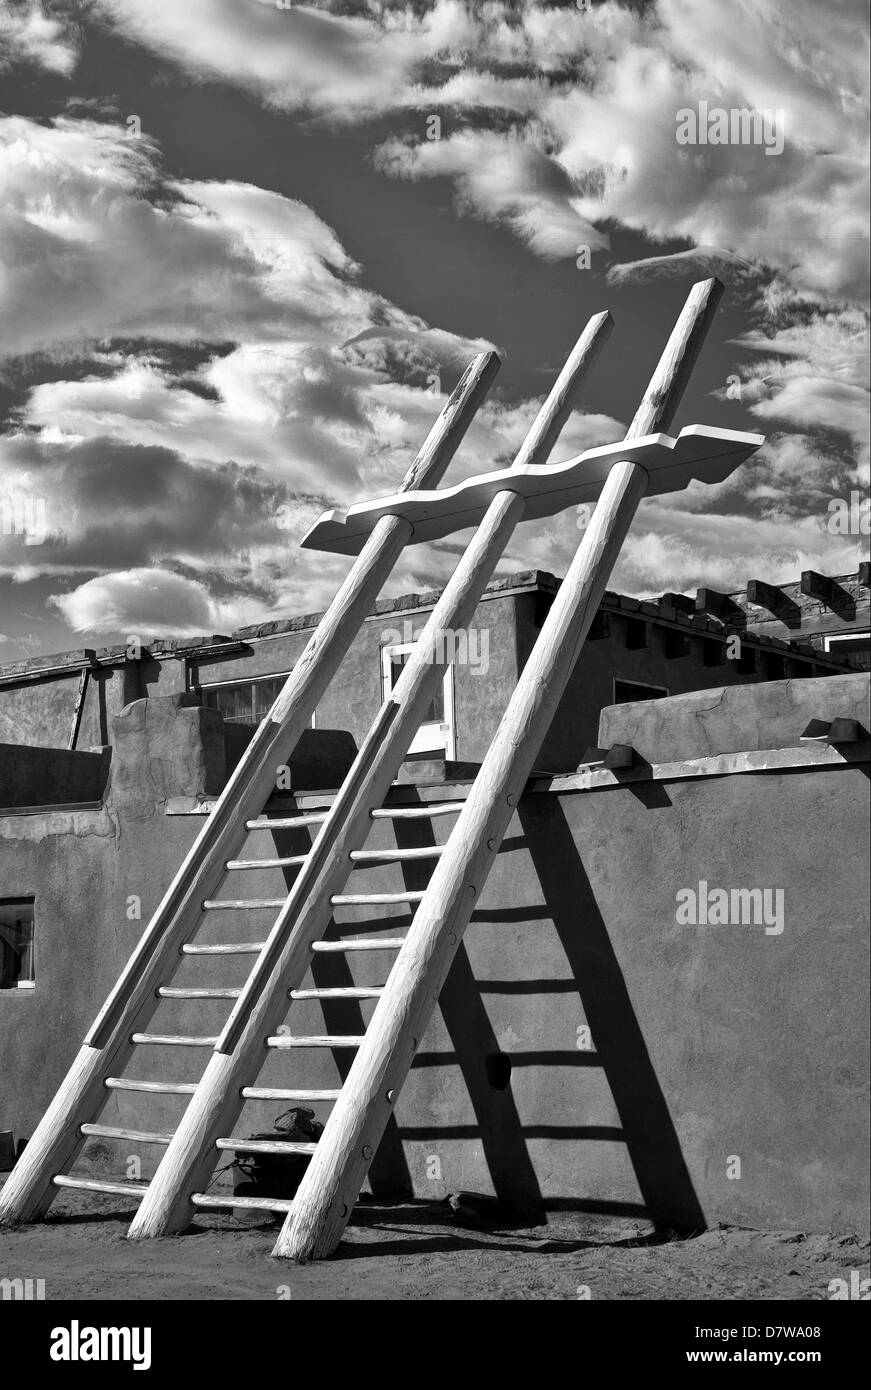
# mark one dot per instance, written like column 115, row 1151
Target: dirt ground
column 420, row 1252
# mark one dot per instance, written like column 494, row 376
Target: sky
column 248, row 246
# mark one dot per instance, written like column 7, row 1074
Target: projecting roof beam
column 717, row 604
column 828, row 591
column 779, row 605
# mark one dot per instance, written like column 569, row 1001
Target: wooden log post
column 189, row 1159
column 57, row 1139
column 341, row 1160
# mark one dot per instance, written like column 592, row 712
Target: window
column 437, row 733
column 16, row 943
column 244, row 701
column 627, row 691
column 847, row 643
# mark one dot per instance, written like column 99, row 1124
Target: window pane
column 16, row 943
column 245, row 702
column 436, row 710
column 265, row 694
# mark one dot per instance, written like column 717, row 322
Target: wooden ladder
column 283, row 958
column 383, row 1053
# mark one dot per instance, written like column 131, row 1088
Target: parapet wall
column 733, row 719
column 46, row 777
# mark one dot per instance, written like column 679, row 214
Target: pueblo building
column 597, row 1045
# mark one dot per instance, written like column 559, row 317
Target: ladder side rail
column 56, row 1140
column 342, row 1157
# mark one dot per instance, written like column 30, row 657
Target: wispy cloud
column 30, row 36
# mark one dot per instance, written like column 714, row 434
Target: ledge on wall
column 732, row 719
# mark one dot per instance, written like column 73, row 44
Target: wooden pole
column 189, row 1159
column 28, row 1191
column 78, row 708
column 341, row 1160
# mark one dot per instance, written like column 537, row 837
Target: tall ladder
column 383, row 1053
column 283, row 959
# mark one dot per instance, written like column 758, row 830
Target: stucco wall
column 501, row 635
column 50, row 776
column 707, row 1044
column 706, row 722
column 41, row 715
column 352, row 700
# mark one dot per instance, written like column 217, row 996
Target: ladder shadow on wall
column 670, row 1200
column 468, row 1025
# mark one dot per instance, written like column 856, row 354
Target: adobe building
column 636, row 650
column 607, row 1040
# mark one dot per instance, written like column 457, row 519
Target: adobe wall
column 678, row 652
column 31, row 776
column 707, row 722
column 706, row 1044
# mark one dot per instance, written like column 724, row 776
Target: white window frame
column 435, row 736
column 30, row 982
column 852, row 636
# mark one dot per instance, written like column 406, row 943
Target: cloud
column 141, row 601
column 582, row 108
column 504, row 178
column 30, row 37
column 812, row 375
column 698, row 263
column 143, row 482
column 305, row 389
column 95, row 242
column 105, row 502
column 231, row 380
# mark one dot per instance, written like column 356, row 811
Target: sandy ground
column 420, row 1252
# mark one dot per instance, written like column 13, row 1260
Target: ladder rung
column 169, row 1088
column 361, row 943
column 375, row 899
column 242, row 905
column 341, row 992
column 242, row 948
column 279, row 1093
column 172, row 1040
column 121, row 1189
column 173, row 992
column 376, row 856
column 435, row 808
column 315, row 1040
column 265, row 1146
column 287, row 822
column 139, row 1136
column 206, row 1199
column 290, row 862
